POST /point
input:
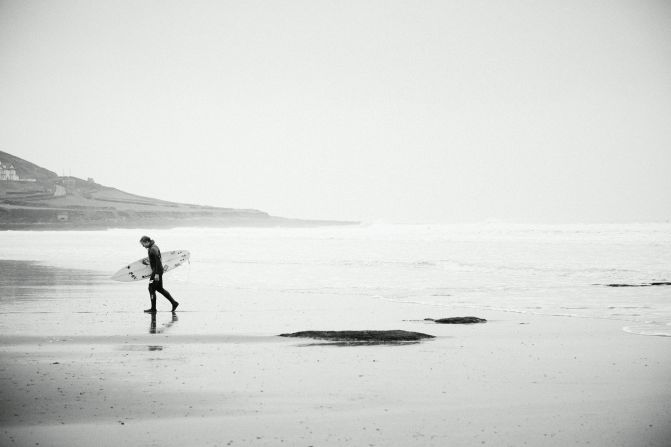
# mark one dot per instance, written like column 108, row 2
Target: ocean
column 262, row 280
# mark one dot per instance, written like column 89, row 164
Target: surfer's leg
column 152, row 309
column 165, row 293
column 152, row 298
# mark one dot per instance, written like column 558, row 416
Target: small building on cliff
column 7, row 172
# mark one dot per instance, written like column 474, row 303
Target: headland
column 35, row 198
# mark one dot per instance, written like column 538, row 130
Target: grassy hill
column 26, row 169
column 54, row 202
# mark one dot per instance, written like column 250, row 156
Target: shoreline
column 81, row 363
column 171, row 223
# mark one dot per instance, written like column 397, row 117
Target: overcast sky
column 410, row 111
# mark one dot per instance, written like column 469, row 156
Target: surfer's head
column 146, row 241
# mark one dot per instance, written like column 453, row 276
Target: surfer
column 156, row 278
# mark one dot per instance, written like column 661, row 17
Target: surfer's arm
column 153, row 262
column 153, row 274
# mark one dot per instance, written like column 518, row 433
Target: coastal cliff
column 32, row 197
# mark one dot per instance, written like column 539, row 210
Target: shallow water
column 277, row 274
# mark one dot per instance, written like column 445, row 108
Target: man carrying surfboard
column 156, row 278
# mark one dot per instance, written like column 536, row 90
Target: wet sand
column 82, row 374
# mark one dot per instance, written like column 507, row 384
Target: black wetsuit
column 156, row 278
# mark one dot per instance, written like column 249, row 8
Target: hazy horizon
column 392, row 111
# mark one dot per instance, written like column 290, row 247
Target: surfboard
column 140, row 269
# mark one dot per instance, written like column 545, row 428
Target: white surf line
column 627, row 329
column 508, row 310
column 649, row 333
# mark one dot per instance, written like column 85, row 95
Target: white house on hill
column 7, row 172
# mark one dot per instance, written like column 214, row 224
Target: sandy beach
column 82, row 365
column 515, row 380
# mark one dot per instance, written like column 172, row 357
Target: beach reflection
column 29, row 280
column 164, row 327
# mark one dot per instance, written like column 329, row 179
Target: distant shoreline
column 170, row 223
column 48, row 202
